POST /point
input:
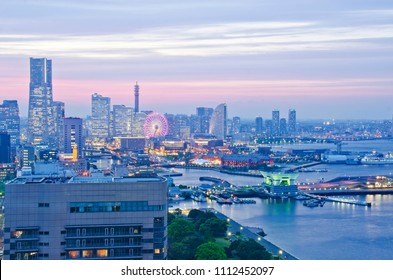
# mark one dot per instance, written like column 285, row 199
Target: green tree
column 171, row 218
column 252, row 250
column 180, row 251
column 179, row 229
column 213, row 227
column 195, row 214
column 210, row 251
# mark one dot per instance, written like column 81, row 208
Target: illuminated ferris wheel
column 156, row 125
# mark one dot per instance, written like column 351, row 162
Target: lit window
column 156, row 251
column 73, row 254
column 102, row 253
column 87, row 253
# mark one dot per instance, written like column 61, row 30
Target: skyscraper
column 204, row 115
column 10, row 120
column 292, row 121
column 218, row 122
column 136, row 95
column 40, row 117
column 58, row 122
column 5, row 148
column 258, row 125
column 73, row 135
column 235, row 125
column 100, row 116
column 283, row 126
column 122, row 120
column 275, row 122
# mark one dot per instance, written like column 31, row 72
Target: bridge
column 303, row 166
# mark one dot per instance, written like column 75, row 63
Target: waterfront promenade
column 235, row 227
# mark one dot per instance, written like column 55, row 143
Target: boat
column 301, row 197
column 236, row 200
column 249, row 201
column 198, row 197
column 312, row 203
column 224, row 201
column 377, row 159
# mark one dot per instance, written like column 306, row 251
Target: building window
column 83, row 242
column 106, row 231
column 87, row 253
column 73, row 254
column 102, row 253
column 156, row 251
column 112, row 231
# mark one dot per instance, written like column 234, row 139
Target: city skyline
column 254, row 56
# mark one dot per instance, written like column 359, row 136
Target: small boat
column 301, row 197
column 312, row 203
column 198, row 197
column 224, row 201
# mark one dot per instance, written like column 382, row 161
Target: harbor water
column 334, row 231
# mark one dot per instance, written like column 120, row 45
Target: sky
column 328, row 59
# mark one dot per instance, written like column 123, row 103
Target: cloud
column 235, row 38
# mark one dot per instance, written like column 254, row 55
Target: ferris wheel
column 156, row 125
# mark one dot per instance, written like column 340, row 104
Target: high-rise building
column 136, row 95
column 58, row 121
column 73, row 138
column 40, row 117
column 86, row 218
column 10, row 121
column 5, row 147
column 204, row 115
column 26, row 156
column 236, row 125
column 292, row 121
column 283, row 126
column 122, row 120
column 218, row 122
column 100, row 116
column 269, row 127
column 137, row 122
column 275, row 122
column 258, row 125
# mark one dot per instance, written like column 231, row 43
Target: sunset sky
column 326, row 58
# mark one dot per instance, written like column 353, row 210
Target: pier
column 337, row 199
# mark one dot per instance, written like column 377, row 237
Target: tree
column 213, row 227
column 252, row 250
column 195, row 214
column 180, row 251
column 171, row 218
column 210, row 251
column 179, row 229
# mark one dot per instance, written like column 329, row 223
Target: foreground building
column 86, row 218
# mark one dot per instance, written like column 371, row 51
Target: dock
column 338, row 199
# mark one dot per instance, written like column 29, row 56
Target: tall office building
column 10, row 121
column 136, row 96
column 236, row 125
column 27, row 156
column 5, row 148
column 86, row 218
column 122, row 120
column 73, row 137
column 40, row 117
column 137, row 124
column 204, row 115
column 292, row 121
column 58, row 123
column 283, row 126
column 258, row 125
column 218, row 122
column 275, row 122
column 100, row 116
